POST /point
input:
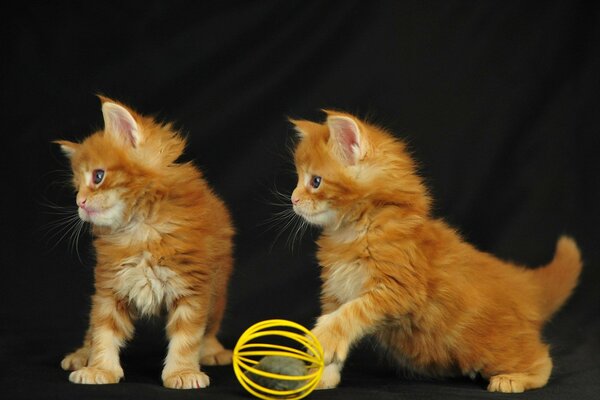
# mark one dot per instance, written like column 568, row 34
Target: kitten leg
column 336, row 345
column 212, row 351
column 79, row 358
column 536, row 377
column 337, row 331
column 110, row 327
column 328, row 304
column 185, row 329
column 332, row 372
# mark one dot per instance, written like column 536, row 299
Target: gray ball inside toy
column 279, row 365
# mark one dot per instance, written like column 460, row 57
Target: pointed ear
column 119, row 122
column 68, row 148
column 346, row 139
column 303, row 127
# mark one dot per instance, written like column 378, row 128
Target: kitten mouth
column 306, row 214
column 87, row 213
column 310, row 216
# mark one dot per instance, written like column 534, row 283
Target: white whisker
column 285, row 220
column 67, row 226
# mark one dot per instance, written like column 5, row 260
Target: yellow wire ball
column 250, row 349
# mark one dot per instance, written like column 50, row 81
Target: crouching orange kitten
column 163, row 242
column 439, row 306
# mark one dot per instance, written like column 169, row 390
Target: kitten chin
column 323, row 218
column 157, row 248
column 110, row 217
column 436, row 305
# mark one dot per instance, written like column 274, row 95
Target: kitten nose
column 295, row 200
column 81, row 202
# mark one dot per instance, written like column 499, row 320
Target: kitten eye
column 97, row 176
column 315, row 181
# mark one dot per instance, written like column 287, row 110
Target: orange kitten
column 163, row 241
column 433, row 301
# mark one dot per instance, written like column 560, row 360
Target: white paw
column 187, row 379
column 95, row 376
column 505, row 384
column 331, row 377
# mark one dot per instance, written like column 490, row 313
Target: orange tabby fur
column 163, row 241
column 437, row 304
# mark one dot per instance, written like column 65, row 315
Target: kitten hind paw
column 222, row 357
column 505, row 384
column 76, row 360
column 213, row 352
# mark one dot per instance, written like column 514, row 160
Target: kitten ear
column 119, row 122
column 303, row 127
column 346, row 138
column 68, row 148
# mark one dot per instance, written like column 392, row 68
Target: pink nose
column 81, row 202
column 295, row 200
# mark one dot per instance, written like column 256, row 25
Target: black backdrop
column 497, row 100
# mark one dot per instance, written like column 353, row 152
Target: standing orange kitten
column 438, row 305
column 163, row 241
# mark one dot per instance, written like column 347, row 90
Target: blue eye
column 315, row 181
column 97, row 176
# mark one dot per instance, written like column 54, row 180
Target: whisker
column 278, row 216
column 75, row 239
column 66, row 226
column 54, row 228
column 64, row 233
column 284, row 219
column 292, row 236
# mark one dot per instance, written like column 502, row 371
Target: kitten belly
column 423, row 352
column 147, row 287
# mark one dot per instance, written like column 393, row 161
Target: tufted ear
column 68, row 148
column 303, row 127
column 346, row 139
column 119, row 122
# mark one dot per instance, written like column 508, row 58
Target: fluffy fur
column 163, row 241
column 438, row 305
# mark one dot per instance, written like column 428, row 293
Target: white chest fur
column 146, row 286
column 346, row 281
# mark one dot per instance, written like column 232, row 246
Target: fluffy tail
column 558, row 279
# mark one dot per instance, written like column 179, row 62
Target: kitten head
column 346, row 167
column 113, row 168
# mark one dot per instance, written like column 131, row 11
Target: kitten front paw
column 76, row 360
column 95, row 376
column 331, row 377
column 335, row 347
column 186, row 379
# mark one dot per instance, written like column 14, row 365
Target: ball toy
column 278, row 359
